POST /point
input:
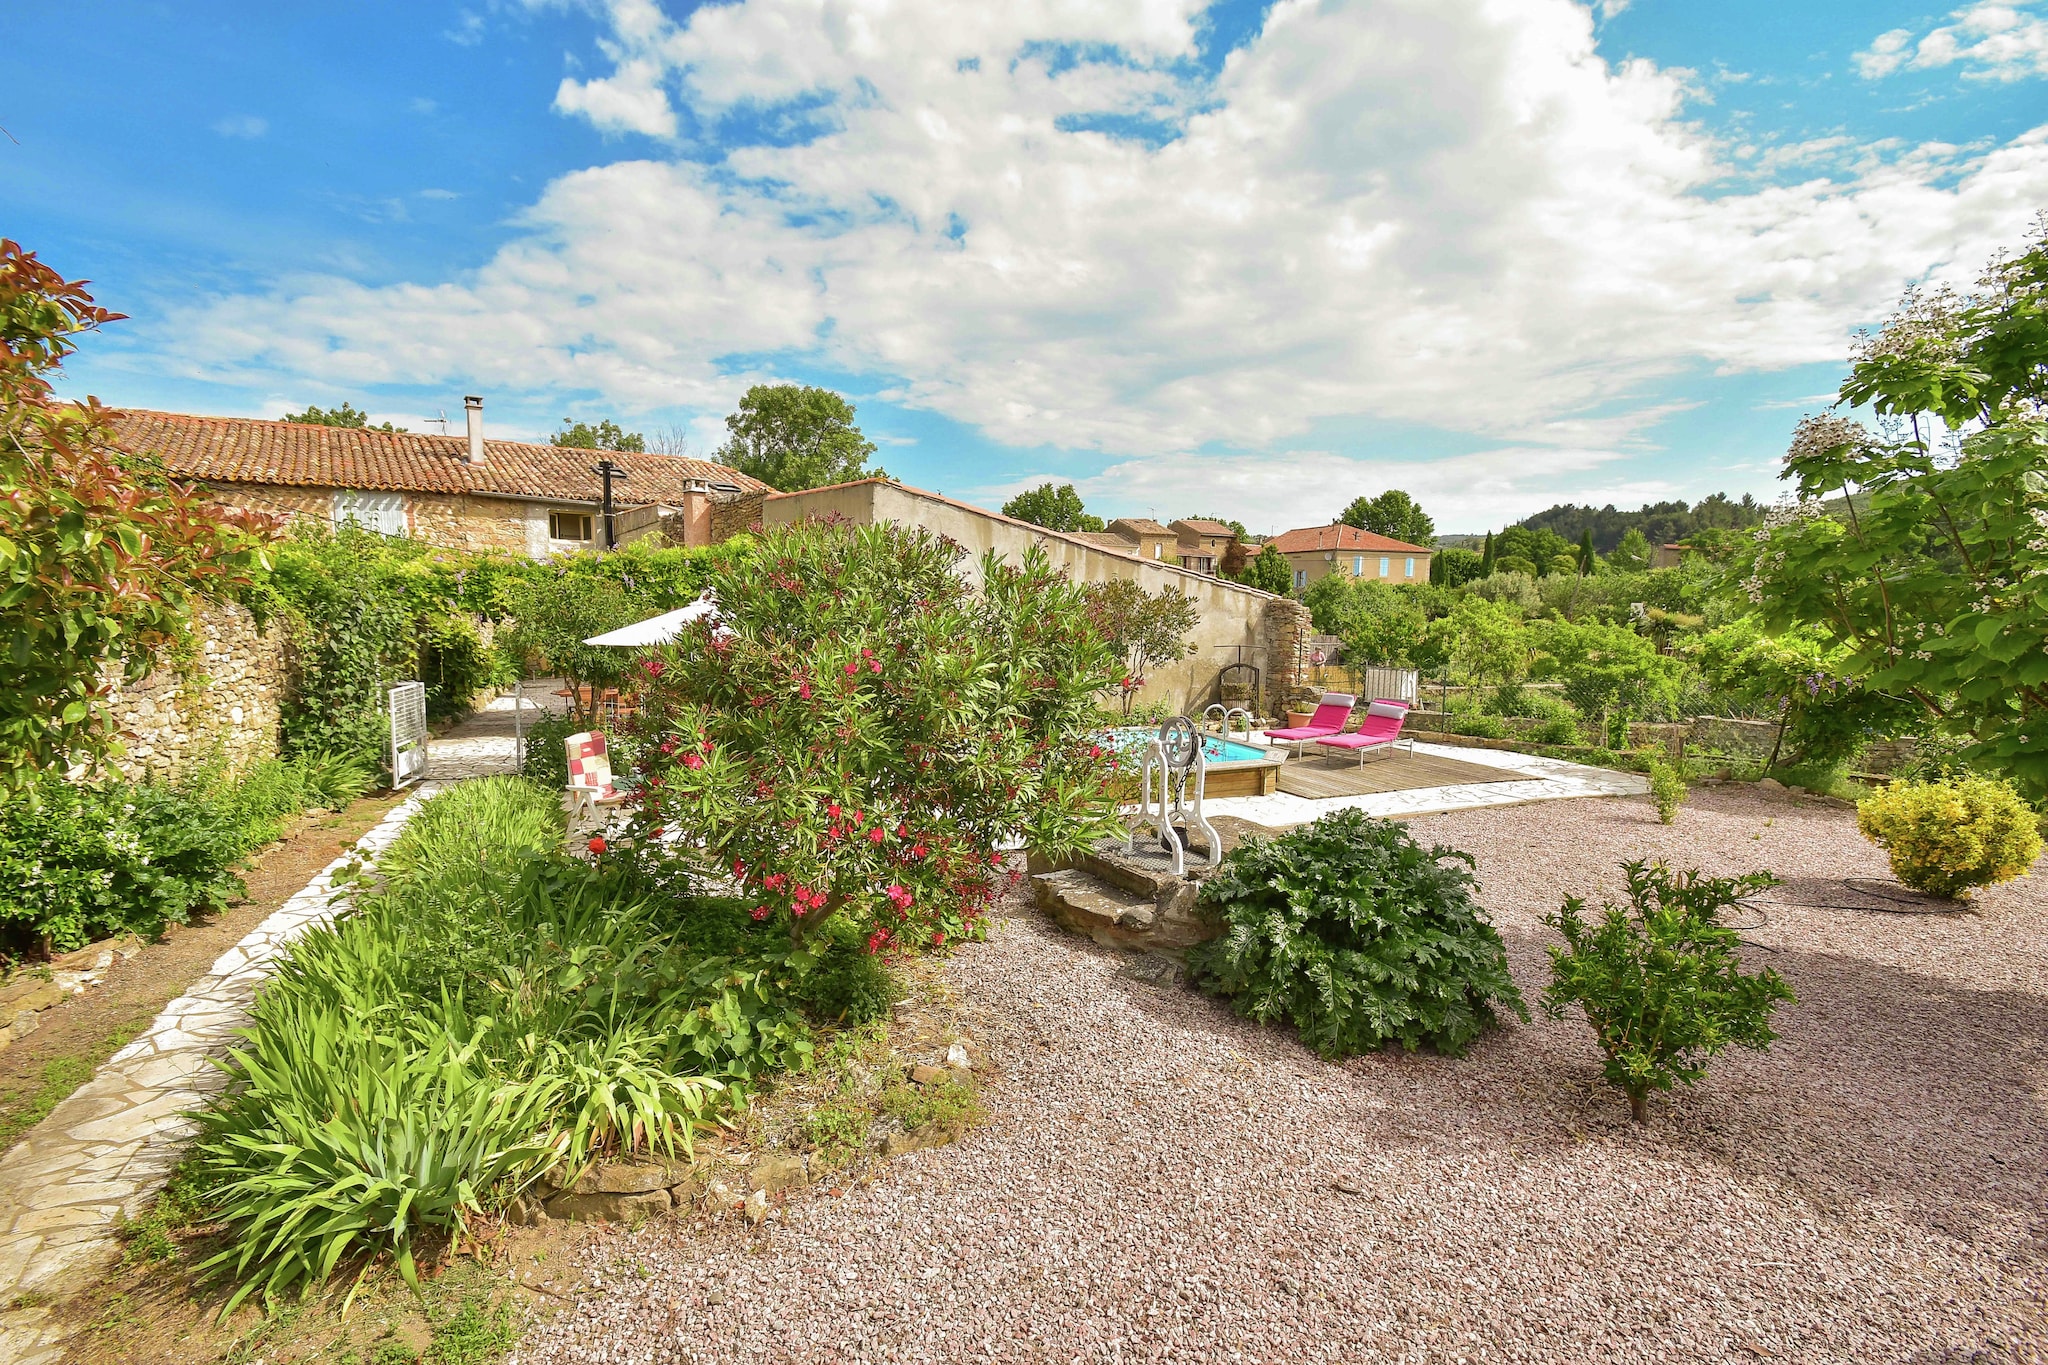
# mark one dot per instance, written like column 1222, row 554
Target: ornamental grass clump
column 1658, row 979
column 1358, row 936
column 859, row 728
column 494, row 1010
column 1951, row 836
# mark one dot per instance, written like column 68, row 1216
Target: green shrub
column 848, row 985
column 1557, row 730
column 456, row 664
column 334, row 780
column 1479, row 727
column 1358, row 936
column 79, row 863
column 1658, row 979
column 1667, row 788
column 1949, row 837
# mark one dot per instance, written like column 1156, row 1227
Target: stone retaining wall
column 221, row 703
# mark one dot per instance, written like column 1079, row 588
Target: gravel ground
column 1160, row 1180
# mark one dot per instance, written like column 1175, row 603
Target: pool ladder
column 1228, row 712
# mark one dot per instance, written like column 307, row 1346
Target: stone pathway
column 103, row 1154
column 1545, row 779
column 483, row 744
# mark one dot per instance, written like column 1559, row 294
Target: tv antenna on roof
column 443, row 420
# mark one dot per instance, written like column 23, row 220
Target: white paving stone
column 1540, row 779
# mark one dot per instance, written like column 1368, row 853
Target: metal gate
column 408, row 733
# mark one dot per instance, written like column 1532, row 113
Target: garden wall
column 222, row 702
column 1236, row 622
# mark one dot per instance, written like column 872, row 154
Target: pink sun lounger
column 1381, row 729
column 1332, row 714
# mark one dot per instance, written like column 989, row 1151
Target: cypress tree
column 1586, row 553
column 1486, row 557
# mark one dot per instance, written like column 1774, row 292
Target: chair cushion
column 1302, row 732
column 1360, row 740
column 1387, row 708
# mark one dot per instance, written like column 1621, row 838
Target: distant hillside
column 1660, row 522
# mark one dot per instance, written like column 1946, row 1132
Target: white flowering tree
column 1930, row 561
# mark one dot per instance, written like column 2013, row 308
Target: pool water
column 1130, row 739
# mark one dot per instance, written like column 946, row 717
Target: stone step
column 1086, row 904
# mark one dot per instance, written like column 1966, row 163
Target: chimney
column 474, row 404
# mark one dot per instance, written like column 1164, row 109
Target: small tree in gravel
column 1658, row 979
column 860, row 728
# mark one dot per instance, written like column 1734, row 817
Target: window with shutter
column 383, row 513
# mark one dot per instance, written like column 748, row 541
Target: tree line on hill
column 1660, row 523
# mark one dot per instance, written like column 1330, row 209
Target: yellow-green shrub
column 1950, row 836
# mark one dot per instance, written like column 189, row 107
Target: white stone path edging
column 102, row 1154
column 1540, row 779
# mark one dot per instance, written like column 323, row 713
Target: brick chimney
column 474, row 406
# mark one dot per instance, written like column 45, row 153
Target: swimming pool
column 1130, row 739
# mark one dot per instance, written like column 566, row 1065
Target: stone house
column 1315, row 552
column 461, row 492
column 1202, row 544
column 1152, row 541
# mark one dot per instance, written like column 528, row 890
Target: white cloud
column 468, row 30
column 1993, row 39
column 246, row 126
column 1447, row 212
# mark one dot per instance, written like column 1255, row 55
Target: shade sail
column 658, row 630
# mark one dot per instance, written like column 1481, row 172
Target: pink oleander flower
column 655, row 667
column 760, row 912
column 899, row 895
column 876, row 835
column 693, row 760
column 598, row 844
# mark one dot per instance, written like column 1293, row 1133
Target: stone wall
column 223, row 701
column 1233, row 618
column 455, row 521
column 736, row 516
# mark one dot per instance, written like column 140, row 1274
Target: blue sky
column 1242, row 259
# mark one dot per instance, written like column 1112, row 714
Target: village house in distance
column 463, row 492
column 1315, row 552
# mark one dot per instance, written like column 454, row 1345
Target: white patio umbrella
column 659, row 630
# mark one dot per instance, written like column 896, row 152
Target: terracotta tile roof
column 1203, row 527
column 300, row 455
column 1108, row 540
column 1142, row 526
column 1340, row 537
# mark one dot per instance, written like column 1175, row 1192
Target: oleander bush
column 1658, row 979
column 1358, row 936
column 1950, row 836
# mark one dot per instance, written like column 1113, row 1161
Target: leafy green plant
column 1667, row 788
column 836, row 1133
column 335, row 780
column 946, row 1106
column 1925, row 567
column 1557, row 730
column 1951, row 836
column 1479, row 726
column 101, row 557
column 1358, row 936
column 1658, row 980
